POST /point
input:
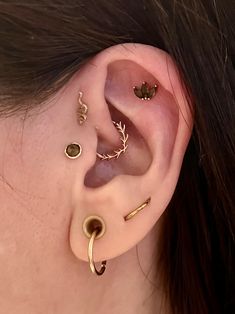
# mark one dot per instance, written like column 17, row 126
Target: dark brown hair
column 44, row 42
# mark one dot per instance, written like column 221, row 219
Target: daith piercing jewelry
column 73, row 150
column 137, row 210
column 145, row 92
column 124, row 137
column 82, row 110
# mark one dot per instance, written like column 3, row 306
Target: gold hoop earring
column 94, row 228
column 124, row 138
column 137, row 210
column 90, row 257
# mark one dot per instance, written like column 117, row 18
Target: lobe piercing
column 94, row 228
column 145, row 92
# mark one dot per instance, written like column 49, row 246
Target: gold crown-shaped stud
column 145, row 92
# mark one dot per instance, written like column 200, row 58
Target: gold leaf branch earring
column 117, row 152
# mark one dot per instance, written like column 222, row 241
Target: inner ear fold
column 135, row 161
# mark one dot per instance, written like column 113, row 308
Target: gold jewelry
column 124, row 137
column 73, row 150
column 137, row 210
column 82, row 110
column 94, row 228
column 145, row 92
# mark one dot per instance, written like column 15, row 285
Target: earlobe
column 140, row 88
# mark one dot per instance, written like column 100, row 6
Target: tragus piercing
column 73, row 150
column 145, row 92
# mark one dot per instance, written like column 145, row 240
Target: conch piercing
column 145, row 92
column 73, row 150
column 137, row 210
column 82, row 110
column 124, row 137
column 94, row 228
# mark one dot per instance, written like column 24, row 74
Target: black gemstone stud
column 145, row 92
column 73, row 150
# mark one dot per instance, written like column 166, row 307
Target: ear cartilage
column 145, row 92
column 137, row 210
column 82, row 110
column 117, row 152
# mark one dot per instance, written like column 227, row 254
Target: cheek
column 32, row 244
column 34, row 217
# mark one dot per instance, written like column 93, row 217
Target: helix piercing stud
column 145, row 92
column 73, row 150
column 124, row 138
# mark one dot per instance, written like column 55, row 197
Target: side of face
column 46, row 196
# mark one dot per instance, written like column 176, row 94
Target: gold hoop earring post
column 90, row 256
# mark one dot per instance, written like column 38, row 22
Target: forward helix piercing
column 145, row 92
column 124, row 138
column 82, row 110
column 94, row 228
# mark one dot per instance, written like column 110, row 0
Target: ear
column 159, row 131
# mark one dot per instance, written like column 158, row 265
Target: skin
column 45, row 196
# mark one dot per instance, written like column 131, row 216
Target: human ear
column 159, row 130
